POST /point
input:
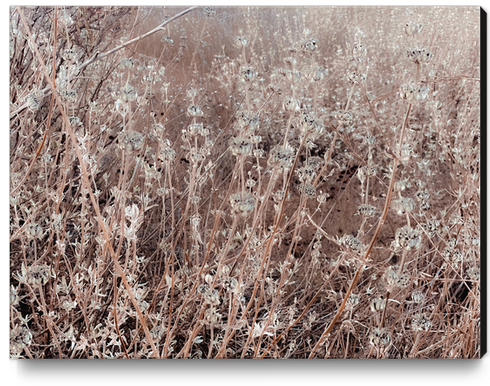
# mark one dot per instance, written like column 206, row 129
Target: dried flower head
column 412, row 29
column 147, row 79
column 359, row 50
column 196, row 157
column 14, row 297
column 419, row 55
column 38, row 275
column 127, row 63
column 191, row 92
column 369, row 140
column 311, row 127
column 68, row 304
column 421, row 323
column 212, row 316
column 306, row 173
column 366, row 210
column 158, row 332
column 451, row 243
column 343, row 117
column 128, row 93
column 406, row 91
column 318, row 74
column 475, row 241
column 400, row 185
column 292, row 105
column 418, row 297
column 355, row 77
column 33, row 101
column 241, row 146
column 431, row 227
column 393, row 279
column 196, row 129
column 352, row 300
column 307, row 189
column 473, row 273
column 356, row 64
column 322, row 197
column 209, row 11
column 242, row 203
column 377, row 304
column 364, row 172
column 406, row 152
column 167, row 154
column 230, row 284
column 249, row 73
column 247, row 120
column 380, row 337
column 281, row 157
column 315, row 162
column 34, row 231
column 69, row 55
column 250, row 183
column 353, row 243
column 447, row 253
column 130, row 141
column 195, row 111
column 158, row 127
column 75, row 121
column 456, row 256
column 422, row 195
column 408, row 237
column 211, row 296
column 20, row 337
column 292, row 76
column 403, row 206
column 259, row 153
column 309, row 45
column 69, row 95
column 422, row 93
column 202, row 288
column 413, row 93
column 279, row 195
column 241, row 41
column 290, row 61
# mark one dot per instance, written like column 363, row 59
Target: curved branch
column 98, row 56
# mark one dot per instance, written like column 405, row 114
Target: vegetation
column 245, row 182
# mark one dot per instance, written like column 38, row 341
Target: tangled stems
column 371, row 244
column 219, row 264
column 271, row 239
column 87, row 184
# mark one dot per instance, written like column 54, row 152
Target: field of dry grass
column 291, row 182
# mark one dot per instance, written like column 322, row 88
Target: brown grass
column 245, row 183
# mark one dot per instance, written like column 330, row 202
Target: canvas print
column 245, row 182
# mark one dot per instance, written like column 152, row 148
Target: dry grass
column 245, row 183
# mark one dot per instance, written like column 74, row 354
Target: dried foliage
column 245, row 182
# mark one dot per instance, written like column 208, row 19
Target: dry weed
column 245, row 182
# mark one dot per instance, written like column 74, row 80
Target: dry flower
column 380, row 337
column 242, row 203
column 408, row 237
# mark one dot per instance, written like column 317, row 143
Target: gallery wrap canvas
column 246, row 182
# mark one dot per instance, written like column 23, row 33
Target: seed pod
column 242, row 203
column 380, row 337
